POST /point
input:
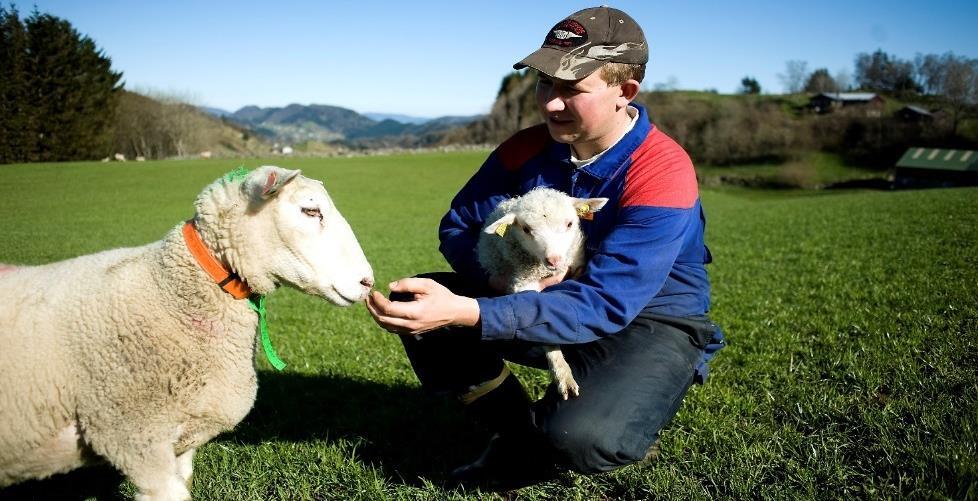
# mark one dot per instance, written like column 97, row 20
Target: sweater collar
column 613, row 158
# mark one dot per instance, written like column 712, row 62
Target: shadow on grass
column 399, row 429
column 98, row 482
column 875, row 183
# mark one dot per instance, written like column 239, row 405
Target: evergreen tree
column 749, row 85
column 17, row 131
column 821, row 81
column 58, row 92
column 881, row 72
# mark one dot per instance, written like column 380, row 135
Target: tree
column 16, row 128
column 59, row 95
column 843, row 80
column 884, row 73
column 794, row 76
column 930, row 72
column 956, row 79
column 749, row 85
column 820, row 81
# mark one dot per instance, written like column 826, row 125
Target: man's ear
column 629, row 89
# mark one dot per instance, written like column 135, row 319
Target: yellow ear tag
column 501, row 229
column 584, row 212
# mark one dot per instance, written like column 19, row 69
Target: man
column 632, row 325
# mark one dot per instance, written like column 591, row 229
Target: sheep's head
column 278, row 227
column 546, row 223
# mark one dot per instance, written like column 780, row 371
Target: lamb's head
column 546, row 224
column 274, row 226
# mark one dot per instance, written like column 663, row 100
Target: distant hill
column 154, row 128
column 297, row 123
column 217, row 112
column 404, row 119
column 742, row 129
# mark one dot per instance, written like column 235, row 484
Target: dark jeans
column 632, row 383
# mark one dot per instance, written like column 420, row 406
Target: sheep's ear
column 500, row 225
column 586, row 207
column 265, row 182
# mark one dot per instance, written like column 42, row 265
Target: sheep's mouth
column 343, row 299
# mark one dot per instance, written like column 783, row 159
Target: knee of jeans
column 587, row 447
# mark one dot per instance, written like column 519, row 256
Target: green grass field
column 851, row 370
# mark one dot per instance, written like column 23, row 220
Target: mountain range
column 297, row 123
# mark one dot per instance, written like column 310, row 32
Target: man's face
column 582, row 113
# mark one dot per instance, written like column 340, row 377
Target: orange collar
column 225, row 279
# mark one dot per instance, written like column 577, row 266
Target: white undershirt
column 633, row 113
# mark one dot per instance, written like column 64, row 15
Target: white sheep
column 532, row 237
column 137, row 356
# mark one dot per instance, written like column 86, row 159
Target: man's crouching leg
column 632, row 384
column 454, row 362
column 517, row 454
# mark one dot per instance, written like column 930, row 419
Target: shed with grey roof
column 828, row 101
column 911, row 113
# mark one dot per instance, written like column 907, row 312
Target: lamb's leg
column 185, row 466
column 561, row 372
column 154, row 471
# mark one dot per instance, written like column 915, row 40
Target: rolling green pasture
column 851, row 370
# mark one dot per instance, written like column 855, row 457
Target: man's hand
column 558, row 277
column 434, row 306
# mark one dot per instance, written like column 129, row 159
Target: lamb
column 532, row 237
column 138, row 356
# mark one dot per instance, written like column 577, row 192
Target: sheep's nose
column 554, row 261
column 367, row 282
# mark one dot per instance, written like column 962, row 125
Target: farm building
column 936, row 167
column 910, row 113
column 827, row 102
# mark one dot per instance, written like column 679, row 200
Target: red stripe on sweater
column 661, row 175
column 522, row 146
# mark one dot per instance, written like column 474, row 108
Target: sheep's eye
column 527, row 230
column 313, row 213
column 569, row 224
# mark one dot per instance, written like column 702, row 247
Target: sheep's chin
column 341, row 298
column 331, row 294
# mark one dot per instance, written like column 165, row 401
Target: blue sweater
column 645, row 247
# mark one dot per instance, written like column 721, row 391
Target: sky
column 437, row 58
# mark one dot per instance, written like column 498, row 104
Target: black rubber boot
column 504, row 409
column 517, row 454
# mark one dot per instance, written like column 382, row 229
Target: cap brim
column 559, row 64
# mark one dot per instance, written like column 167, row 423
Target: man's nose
column 553, row 102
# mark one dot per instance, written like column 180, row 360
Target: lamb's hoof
column 568, row 388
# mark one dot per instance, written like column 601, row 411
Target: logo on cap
column 567, row 33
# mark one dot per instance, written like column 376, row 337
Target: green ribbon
column 266, row 342
column 235, row 175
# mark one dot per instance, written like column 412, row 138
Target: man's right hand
column 434, row 306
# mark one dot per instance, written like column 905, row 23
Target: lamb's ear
column 586, row 207
column 499, row 226
column 266, row 181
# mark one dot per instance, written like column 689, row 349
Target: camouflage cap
column 585, row 41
